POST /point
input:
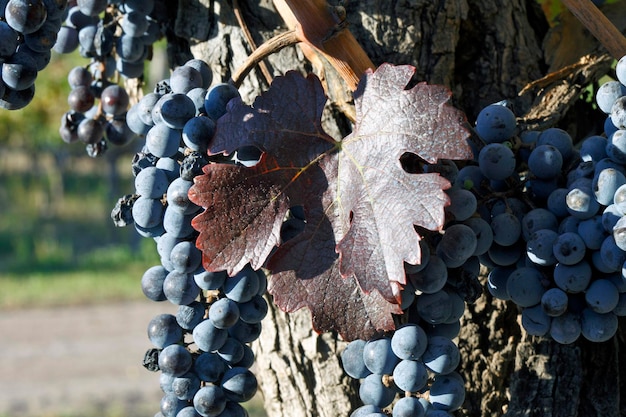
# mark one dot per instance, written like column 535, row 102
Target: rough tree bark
column 485, row 51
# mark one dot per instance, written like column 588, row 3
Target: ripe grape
column 495, row 123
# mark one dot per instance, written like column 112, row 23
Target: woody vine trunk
column 484, row 51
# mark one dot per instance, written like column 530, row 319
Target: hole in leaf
column 247, row 156
column 412, row 163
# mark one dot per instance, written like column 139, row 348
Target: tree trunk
column 484, row 51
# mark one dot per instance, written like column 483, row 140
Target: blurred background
column 73, row 318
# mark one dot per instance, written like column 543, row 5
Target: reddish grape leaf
column 360, row 205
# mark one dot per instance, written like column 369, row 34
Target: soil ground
column 83, row 360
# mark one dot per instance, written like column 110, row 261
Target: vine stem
column 599, row 26
column 246, row 32
column 321, row 27
column 268, row 47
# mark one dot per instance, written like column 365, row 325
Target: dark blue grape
column 239, row 384
column 207, row 337
column 374, row 392
column 210, row 401
column 352, row 360
column 175, row 360
column 163, row 330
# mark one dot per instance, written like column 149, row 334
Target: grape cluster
column 117, row 37
column 413, row 370
column 203, row 352
column 556, row 217
column 28, row 31
column 410, row 362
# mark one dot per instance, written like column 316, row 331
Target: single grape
column 114, row 99
column 209, row 367
column 239, row 384
column 540, row 247
column 536, row 219
column 619, row 233
column 208, row 337
column 204, row 69
column 554, row 302
column 566, row 328
column 197, row 133
column 592, row 232
column 152, row 283
column 618, row 113
column 151, row 182
column 178, row 223
column 188, row 316
column 602, row 296
column 581, row 202
column 253, row 311
column 598, row 327
column 496, row 161
column 442, row 355
column 163, row 330
column 186, row 386
column 569, row 248
column 611, row 255
column 616, row 147
column 185, row 257
column 593, row 148
column 25, row 16
column 456, row 245
column 573, row 278
column 409, row 342
column 217, row 98
column 175, row 360
column 545, row 161
column 495, row 123
column 535, row 321
column 365, row 411
column 180, row 288
column 434, row 308
column 210, row 280
column 147, row 212
column 410, row 375
column 432, row 278
column 245, row 332
column 497, row 281
column 185, row 78
column 374, row 392
column 506, row 228
column 447, row 392
column 607, row 94
column 176, row 110
column 224, row 313
column 171, row 405
column 352, row 359
column 525, row 286
column 379, row 357
column 483, row 232
column 210, row 401
column 243, row 286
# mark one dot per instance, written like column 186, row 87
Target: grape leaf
column 361, row 206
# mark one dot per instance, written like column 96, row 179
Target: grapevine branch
column 322, row 28
column 269, row 47
column 599, row 26
column 246, row 32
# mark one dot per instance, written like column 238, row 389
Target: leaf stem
column 269, row 47
column 599, row 26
